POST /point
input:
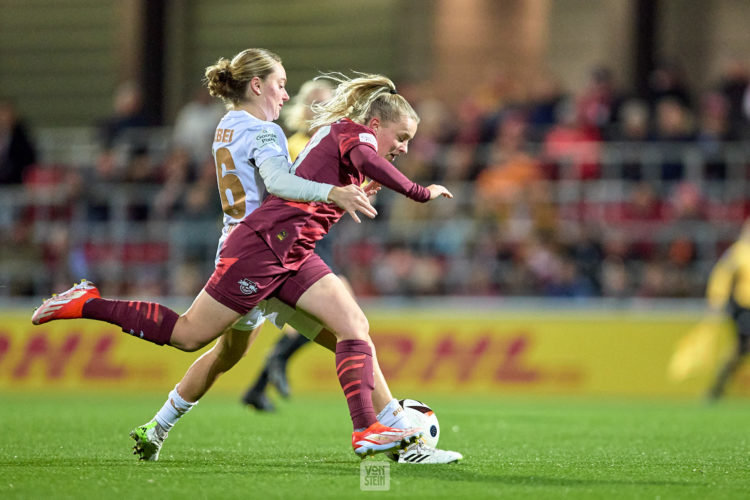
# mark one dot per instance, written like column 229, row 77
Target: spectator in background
column 674, row 128
column 633, row 127
column 728, row 292
column 510, row 168
column 734, row 85
column 585, row 251
column 545, row 95
column 195, row 126
column 572, row 147
column 667, row 81
column 176, row 174
column 297, row 114
column 128, row 115
column 119, row 134
column 714, row 129
column 642, row 205
column 600, row 101
column 17, row 151
column 685, row 203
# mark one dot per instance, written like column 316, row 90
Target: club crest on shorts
column 248, row 287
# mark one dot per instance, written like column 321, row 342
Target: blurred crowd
column 589, row 192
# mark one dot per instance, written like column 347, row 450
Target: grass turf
column 77, row 446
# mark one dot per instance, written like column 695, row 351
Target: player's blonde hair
column 297, row 112
column 361, row 99
column 228, row 80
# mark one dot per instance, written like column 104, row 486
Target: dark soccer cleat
column 277, row 375
column 259, row 401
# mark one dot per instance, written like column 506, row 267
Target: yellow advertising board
column 501, row 352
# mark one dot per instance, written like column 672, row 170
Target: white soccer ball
column 423, row 418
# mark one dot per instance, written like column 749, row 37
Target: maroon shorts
column 249, row 272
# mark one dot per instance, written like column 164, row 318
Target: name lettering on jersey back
column 224, row 135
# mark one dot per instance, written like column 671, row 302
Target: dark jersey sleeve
column 367, row 161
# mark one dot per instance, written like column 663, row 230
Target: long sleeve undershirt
column 284, row 184
column 381, row 170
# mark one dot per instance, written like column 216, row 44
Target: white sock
column 394, row 416
column 174, row 408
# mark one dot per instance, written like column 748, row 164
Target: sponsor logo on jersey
column 266, row 137
column 368, row 139
column 282, row 235
column 248, row 287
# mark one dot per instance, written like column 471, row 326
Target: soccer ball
column 423, row 418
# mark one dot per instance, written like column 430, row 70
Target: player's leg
column 279, row 313
column 741, row 319
column 203, row 322
column 232, row 345
column 276, row 365
column 381, row 393
column 328, row 300
column 729, row 368
column 198, row 379
column 274, row 370
column 203, row 373
column 227, row 294
column 390, row 412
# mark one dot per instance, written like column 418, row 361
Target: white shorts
column 277, row 312
column 280, row 314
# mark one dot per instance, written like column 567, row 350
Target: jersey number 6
column 229, row 184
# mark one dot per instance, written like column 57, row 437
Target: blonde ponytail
column 360, row 99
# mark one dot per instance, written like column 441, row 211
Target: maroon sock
column 147, row 320
column 354, row 369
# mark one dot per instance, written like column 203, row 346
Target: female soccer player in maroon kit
column 270, row 253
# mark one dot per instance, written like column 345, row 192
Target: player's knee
column 186, row 344
column 361, row 327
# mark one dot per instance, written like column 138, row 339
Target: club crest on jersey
column 282, row 235
column 248, row 287
column 368, row 139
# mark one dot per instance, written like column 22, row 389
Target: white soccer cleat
column 421, row 453
column 148, row 440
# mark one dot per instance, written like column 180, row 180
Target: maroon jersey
column 290, row 228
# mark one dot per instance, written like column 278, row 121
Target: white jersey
column 241, row 143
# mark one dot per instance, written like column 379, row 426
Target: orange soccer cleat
column 378, row 438
column 67, row 305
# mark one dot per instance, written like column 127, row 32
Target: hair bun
column 224, row 74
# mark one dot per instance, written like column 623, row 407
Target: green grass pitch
column 77, row 446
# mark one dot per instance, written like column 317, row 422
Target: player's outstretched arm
column 381, row 170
